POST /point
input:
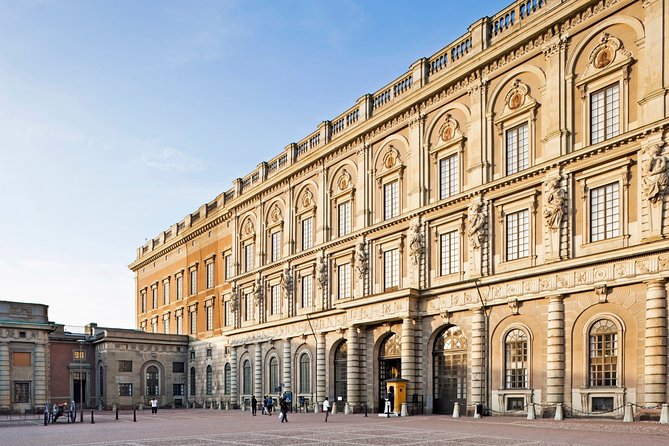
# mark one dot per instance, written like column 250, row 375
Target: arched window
column 102, row 382
column 603, row 360
column 191, row 388
column 305, row 373
column 273, row 374
column 340, row 359
column 247, row 377
column 209, row 380
column 227, row 379
column 449, row 380
column 152, row 381
column 515, row 359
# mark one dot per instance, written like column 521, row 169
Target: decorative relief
column 514, row 305
column 249, row 229
column 321, row 271
column 476, row 219
column 515, row 98
column 416, row 242
column 642, row 266
column 554, row 203
column 448, row 129
column 286, row 281
column 663, row 263
column 654, row 178
column 276, row 215
column 257, row 291
column 361, row 259
column 391, row 157
column 307, row 198
column 344, row 181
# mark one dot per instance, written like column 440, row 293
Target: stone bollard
column 664, row 414
column 559, row 412
column 211, row 405
column 476, row 411
column 531, row 413
column 629, row 415
column 334, row 408
column 403, row 411
column 347, row 409
column 456, row 410
column 316, row 405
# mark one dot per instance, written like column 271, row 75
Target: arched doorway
column 449, row 359
column 152, row 383
column 390, row 364
column 340, row 359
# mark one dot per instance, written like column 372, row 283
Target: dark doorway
column 449, row 370
column 390, row 365
column 79, row 387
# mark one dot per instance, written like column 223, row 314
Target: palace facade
column 491, row 226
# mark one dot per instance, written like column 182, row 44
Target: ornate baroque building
column 491, row 225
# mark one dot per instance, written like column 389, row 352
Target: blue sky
column 118, row 118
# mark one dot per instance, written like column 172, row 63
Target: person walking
column 263, row 403
column 154, row 406
column 254, row 405
column 326, row 408
column 270, row 404
column 283, row 407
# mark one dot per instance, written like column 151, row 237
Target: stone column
column 655, row 370
column 257, row 375
column 5, row 387
column 234, row 394
column 287, row 375
column 40, row 368
column 555, row 361
column 352, row 368
column 478, row 375
column 409, row 355
column 320, row 368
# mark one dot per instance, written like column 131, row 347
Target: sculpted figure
column 234, row 299
column 320, row 271
column 286, row 280
column 360, row 259
column 416, row 245
column 257, row 291
column 554, row 204
column 475, row 223
column 654, row 178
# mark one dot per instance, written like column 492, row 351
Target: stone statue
column 475, row 223
column 360, row 260
column 654, row 177
column 416, row 243
column 234, row 299
column 320, row 271
column 554, row 202
column 286, row 281
column 257, row 291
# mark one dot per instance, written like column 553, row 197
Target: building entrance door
column 450, row 371
column 390, row 365
column 79, row 386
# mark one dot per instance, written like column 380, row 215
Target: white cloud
column 171, row 159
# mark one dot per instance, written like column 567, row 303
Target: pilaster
column 555, row 354
column 655, row 370
column 287, row 371
column 320, row 368
column 353, row 367
column 409, row 355
column 257, row 375
column 234, row 393
column 478, row 375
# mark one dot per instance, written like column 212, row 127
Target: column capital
column 656, row 282
column 556, row 297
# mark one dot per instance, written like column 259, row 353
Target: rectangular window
column 125, row 389
column 275, row 246
column 193, row 281
column 193, row 322
column 448, row 177
column 307, row 292
column 228, row 266
column 177, row 389
column 516, row 363
column 344, row 281
column 449, row 249
column 603, row 360
column 154, row 325
column 248, row 257
column 22, row 359
column 391, row 268
column 154, row 297
column 517, row 235
column 178, row 367
column 517, row 150
column 307, row 233
column 391, row 208
column 344, row 218
column 227, row 314
column 124, row 366
column 21, row 392
column 210, row 275
column 166, row 325
column 166, row 292
column 180, row 325
column 180, row 287
column 275, row 305
column 210, row 318
column 248, row 304
column 605, row 113
column 143, row 300
column 604, row 212
column 77, row 355
column 208, row 353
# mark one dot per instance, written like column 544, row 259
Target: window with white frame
column 605, row 212
column 193, row 281
column 227, row 320
column 605, row 113
column 142, row 298
column 305, row 373
column 449, row 253
column 391, row 268
column 517, row 149
column 228, row 266
column 517, row 235
column 227, row 379
column 154, row 296
column 180, row 324
column 448, row 176
column 307, row 291
column 344, row 281
column 166, row 324
column 275, row 242
column 307, row 233
column 247, row 380
column 515, row 360
column 275, row 296
column 193, row 321
column 210, row 317
column 210, row 275
column 180, row 287
column 391, row 208
column 273, row 375
column 248, row 307
column 603, row 354
column 154, row 325
column 209, row 380
column 166, row 292
column 248, row 257
column 344, row 218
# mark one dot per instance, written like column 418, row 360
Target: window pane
column 448, row 177
column 604, row 212
column 517, row 235
column 344, row 218
column 391, row 269
column 450, row 253
column 390, row 200
column 344, row 281
column 517, row 150
column 276, row 246
column 307, row 292
column 516, row 360
column 307, row 233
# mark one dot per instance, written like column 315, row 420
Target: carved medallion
column 344, row 180
column 603, row 57
column 307, row 199
column 448, row 128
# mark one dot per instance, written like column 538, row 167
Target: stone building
column 491, row 226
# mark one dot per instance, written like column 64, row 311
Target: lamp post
column 81, row 379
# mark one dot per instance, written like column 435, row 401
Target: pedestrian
column 263, row 403
column 254, row 405
column 326, row 408
column 283, row 406
column 154, row 406
column 270, row 405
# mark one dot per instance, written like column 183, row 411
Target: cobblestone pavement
column 212, row 428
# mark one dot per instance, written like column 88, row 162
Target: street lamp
column 81, row 379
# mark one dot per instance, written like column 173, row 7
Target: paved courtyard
column 205, row 427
